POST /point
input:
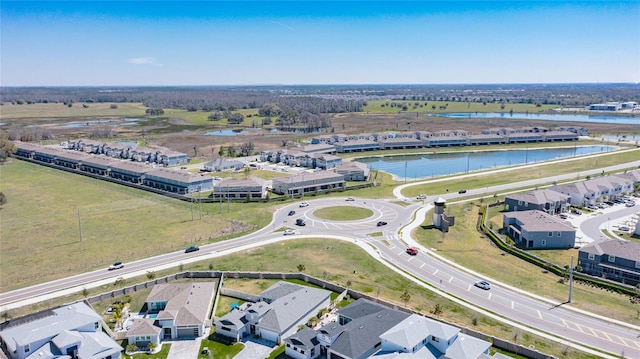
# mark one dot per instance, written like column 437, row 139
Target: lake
column 628, row 120
column 438, row 164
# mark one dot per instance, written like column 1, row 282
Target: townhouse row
column 134, row 153
column 109, row 167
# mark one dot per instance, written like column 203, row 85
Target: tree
column 235, row 118
column 221, row 151
column 154, row 111
column 3, row 199
column 301, row 267
column 7, row 147
column 246, row 149
column 151, row 346
column 151, row 275
column 405, row 296
column 131, row 348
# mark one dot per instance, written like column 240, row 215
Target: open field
column 59, row 110
column 40, row 224
column 464, row 245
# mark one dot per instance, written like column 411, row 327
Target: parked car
column 630, row 203
column 422, row 196
column 412, row 251
column 381, row 223
column 564, row 215
column 291, row 213
column 304, row 204
column 192, row 249
column 576, row 211
column 623, row 228
column 116, row 265
column 462, row 191
column 350, row 199
column 300, row 222
column 483, row 285
column 289, row 232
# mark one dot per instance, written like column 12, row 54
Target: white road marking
column 539, row 314
column 422, row 265
column 450, row 279
column 513, row 305
column 436, row 272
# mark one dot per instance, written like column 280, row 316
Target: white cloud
column 143, row 61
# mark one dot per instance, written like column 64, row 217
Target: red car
column 412, row 251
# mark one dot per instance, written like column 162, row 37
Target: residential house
column 614, row 259
column 174, row 311
column 319, row 148
column 524, row 137
column 278, row 313
column 128, row 171
column 544, row 200
column 365, row 329
column 308, row 182
column 357, row 146
column 71, row 331
column 96, row 164
column 239, row 189
column 400, row 143
column 326, row 161
column 556, row 136
column 446, row 141
column 177, row 181
column 487, row 139
column 538, row 230
column 220, row 164
column 353, row 171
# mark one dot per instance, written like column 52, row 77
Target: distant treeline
column 324, row 98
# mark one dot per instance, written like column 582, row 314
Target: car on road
column 422, row 196
column 289, row 232
column 630, row 203
column 623, row 228
column 381, row 223
column 300, row 222
column 412, row 251
column 304, row 204
column 192, row 249
column 462, row 191
column 116, row 265
column 350, row 199
column 483, row 285
column 291, row 213
column 564, row 215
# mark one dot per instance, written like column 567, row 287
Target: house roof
column 143, row 326
column 411, row 331
column 187, row 303
column 279, row 290
column 540, row 196
column 288, row 309
column 236, row 183
column 69, row 317
column 178, row 176
column 360, row 308
column 614, row 247
column 304, row 339
column 362, row 334
column 466, row 346
column 422, row 353
column 539, row 221
column 234, row 318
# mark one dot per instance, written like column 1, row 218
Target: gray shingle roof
column 539, row 221
column 304, row 339
column 411, row 331
column 540, row 196
column 363, row 333
column 289, row 309
column 187, row 303
column 466, row 347
column 143, row 326
column 614, row 247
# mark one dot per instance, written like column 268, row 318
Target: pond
column 438, row 164
column 628, row 120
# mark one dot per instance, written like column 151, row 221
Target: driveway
column 255, row 348
column 181, row 349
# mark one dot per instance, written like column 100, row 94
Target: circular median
column 343, row 213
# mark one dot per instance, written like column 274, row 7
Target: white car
column 289, row 232
column 422, row 196
column 304, row 204
column 630, row 204
column 350, row 199
column 116, row 265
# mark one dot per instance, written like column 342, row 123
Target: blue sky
column 128, row 43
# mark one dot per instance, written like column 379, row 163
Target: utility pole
column 228, row 200
column 219, row 196
column 192, row 208
column 200, row 201
column 570, row 279
column 79, row 224
column 302, row 186
column 405, row 172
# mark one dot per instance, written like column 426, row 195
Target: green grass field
column 58, row 110
column 40, row 226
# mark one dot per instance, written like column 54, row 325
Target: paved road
column 509, row 304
